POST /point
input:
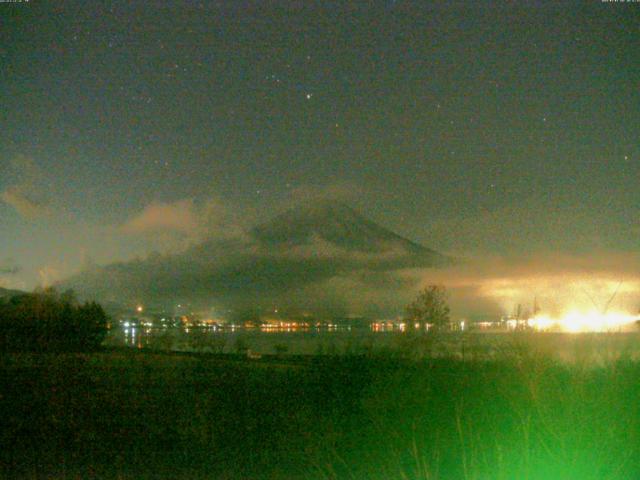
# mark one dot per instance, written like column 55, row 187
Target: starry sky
column 471, row 127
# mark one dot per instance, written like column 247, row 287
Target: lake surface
column 598, row 347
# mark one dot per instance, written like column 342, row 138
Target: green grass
column 126, row 414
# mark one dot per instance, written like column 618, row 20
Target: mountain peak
column 336, row 223
column 302, row 247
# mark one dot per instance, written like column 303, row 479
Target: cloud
column 321, row 275
column 157, row 217
column 176, row 225
column 8, row 267
column 496, row 285
column 11, row 283
column 27, row 190
column 17, row 197
column 318, row 248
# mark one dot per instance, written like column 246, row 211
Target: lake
column 572, row 347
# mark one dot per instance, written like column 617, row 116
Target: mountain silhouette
column 280, row 261
column 6, row 293
column 336, row 223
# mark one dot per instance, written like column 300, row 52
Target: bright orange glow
column 568, row 302
column 591, row 321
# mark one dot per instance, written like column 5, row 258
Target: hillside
column 286, row 260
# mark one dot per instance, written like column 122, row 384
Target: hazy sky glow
column 472, row 128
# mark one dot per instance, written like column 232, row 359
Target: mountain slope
column 344, row 228
column 333, row 222
column 280, row 260
column 5, row 293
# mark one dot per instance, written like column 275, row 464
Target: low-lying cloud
column 9, row 267
column 27, row 207
column 182, row 223
column 157, row 217
column 25, row 190
column 321, row 275
column 556, row 282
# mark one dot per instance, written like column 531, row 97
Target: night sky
column 471, row 127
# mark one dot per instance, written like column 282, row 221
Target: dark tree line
column 48, row 321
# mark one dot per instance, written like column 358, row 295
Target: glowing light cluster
column 578, row 321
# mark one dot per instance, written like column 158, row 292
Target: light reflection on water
column 352, row 340
column 311, row 340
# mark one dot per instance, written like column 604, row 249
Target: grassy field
column 129, row 414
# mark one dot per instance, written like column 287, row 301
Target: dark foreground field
column 136, row 415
